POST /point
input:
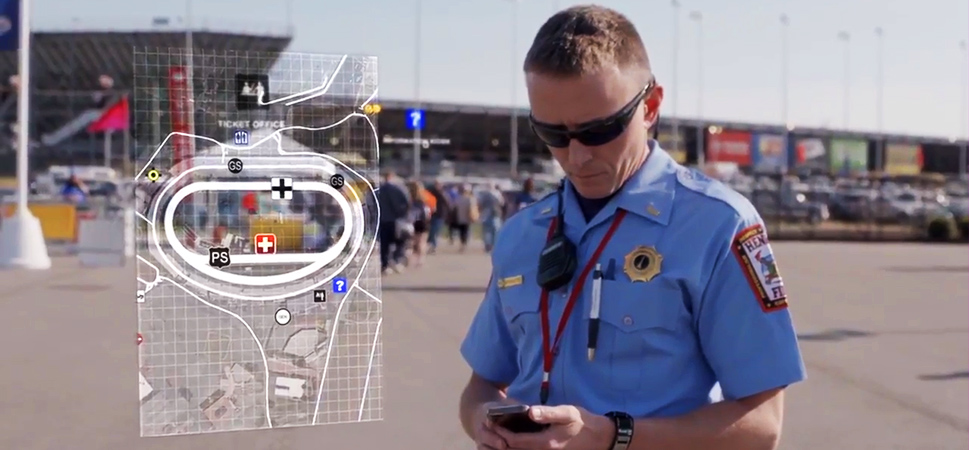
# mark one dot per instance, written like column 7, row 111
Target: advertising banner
column 903, row 159
column 811, row 152
column 849, row 156
column 180, row 108
column 667, row 140
column 770, row 152
column 729, row 146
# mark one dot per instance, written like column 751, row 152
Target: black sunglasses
column 594, row 133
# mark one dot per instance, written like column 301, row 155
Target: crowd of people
column 415, row 219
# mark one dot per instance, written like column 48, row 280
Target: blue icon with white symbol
column 240, row 137
column 339, row 285
column 415, row 119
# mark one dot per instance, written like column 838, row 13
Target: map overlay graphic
column 258, row 287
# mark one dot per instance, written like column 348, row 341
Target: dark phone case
column 516, row 420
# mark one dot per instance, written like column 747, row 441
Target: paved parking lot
column 883, row 327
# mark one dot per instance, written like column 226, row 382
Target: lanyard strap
column 549, row 347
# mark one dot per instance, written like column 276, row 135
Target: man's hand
column 570, row 428
column 485, row 432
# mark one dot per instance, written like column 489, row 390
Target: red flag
column 112, row 119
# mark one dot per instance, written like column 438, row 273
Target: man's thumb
column 543, row 414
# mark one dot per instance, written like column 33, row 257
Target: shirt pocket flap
column 634, row 307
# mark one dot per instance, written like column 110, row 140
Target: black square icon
column 252, row 91
column 219, row 257
column 319, row 296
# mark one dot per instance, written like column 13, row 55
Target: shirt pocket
column 520, row 303
column 640, row 330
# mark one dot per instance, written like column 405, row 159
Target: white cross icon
column 265, row 244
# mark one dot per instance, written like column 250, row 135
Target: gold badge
column 510, row 281
column 546, row 210
column 652, row 210
column 643, row 263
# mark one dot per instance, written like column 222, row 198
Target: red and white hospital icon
column 265, row 243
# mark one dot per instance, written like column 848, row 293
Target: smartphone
column 514, row 418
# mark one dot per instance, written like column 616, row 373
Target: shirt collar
column 648, row 193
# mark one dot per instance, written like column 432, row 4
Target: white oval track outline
column 357, row 240
column 201, row 262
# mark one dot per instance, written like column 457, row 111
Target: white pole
column 964, row 116
column 785, row 86
column 417, row 88
column 880, row 99
column 22, row 243
column 697, row 16
column 846, row 38
column 107, row 148
column 785, row 67
column 676, row 85
column 514, row 89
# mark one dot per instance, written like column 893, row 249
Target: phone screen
column 515, row 418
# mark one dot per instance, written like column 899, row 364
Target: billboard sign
column 729, row 146
column 812, row 153
column 770, row 152
column 849, row 156
column 903, row 159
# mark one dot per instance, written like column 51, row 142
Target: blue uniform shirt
column 713, row 310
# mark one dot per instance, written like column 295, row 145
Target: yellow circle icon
column 371, row 108
column 154, row 175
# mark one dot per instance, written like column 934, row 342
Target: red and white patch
column 753, row 252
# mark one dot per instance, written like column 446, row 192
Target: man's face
column 596, row 172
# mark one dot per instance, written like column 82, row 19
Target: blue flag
column 9, row 25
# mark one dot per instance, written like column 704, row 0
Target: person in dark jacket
column 395, row 205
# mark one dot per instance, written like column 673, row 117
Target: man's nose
column 579, row 154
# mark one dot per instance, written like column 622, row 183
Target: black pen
column 594, row 310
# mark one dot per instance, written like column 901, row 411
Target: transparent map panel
column 258, row 287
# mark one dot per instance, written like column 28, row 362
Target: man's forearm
column 476, row 393
column 726, row 425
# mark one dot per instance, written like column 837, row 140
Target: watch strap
column 624, row 430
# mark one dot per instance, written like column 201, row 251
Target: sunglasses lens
column 551, row 138
column 601, row 135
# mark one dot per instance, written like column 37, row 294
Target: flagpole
column 22, row 242
column 107, row 148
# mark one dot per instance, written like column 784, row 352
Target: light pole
column 673, row 80
column 785, row 82
column 22, row 243
column 514, row 88
column 697, row 17
column 880, row 99
column 417, row 89
column 844, row 37
column 964, row 107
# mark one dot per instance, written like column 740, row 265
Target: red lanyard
column 550, row 348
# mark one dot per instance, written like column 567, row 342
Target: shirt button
column 627, row 320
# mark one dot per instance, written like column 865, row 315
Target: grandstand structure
column 76, row 75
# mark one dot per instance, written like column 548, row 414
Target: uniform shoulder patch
column 753, row 252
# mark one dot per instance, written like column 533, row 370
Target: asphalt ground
column 883, row 327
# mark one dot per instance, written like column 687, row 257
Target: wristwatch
column 624, row 429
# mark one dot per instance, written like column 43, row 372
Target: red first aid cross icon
column 265, row 243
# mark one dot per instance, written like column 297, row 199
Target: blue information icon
column 339, row 285
column 415, row 119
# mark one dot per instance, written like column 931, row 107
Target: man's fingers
column 489, row 439
column 553, row 414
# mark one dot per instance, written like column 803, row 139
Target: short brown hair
column 584, row 39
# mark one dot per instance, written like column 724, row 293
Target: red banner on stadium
column 180, row 109
column 729, row 146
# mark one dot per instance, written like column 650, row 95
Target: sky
column 729, row 63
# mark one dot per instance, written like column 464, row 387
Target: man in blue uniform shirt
column 691, row 294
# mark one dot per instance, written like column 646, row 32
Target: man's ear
column 653, row 103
